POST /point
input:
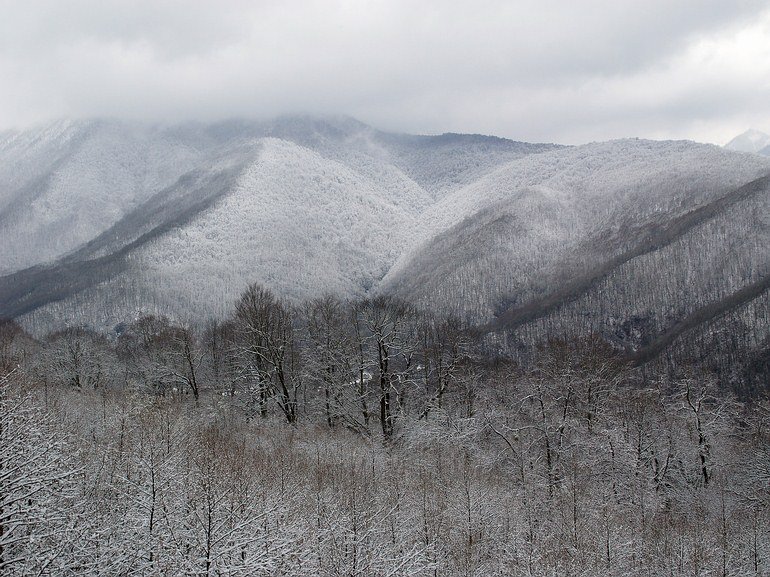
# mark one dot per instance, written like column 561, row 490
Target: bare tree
column 77, row 357
column 329, row 354
column 11, row 345
column 162, row 355
column 36, row 498
column 444, row 348
column 389, row 325
column 221, row 343
column 269, row 349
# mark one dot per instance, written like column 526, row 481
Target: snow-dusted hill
column 544, row 218
column 125, row 219
column 66, row 183
column 63, row 184
column 298, row 222
column 651, row 245
column 190, row 214
column 751, row 141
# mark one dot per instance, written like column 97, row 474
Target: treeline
column 360, row 365
column 366, row 439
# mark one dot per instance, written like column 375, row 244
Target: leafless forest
column 367, row 439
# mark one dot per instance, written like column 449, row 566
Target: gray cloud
column 547, row 70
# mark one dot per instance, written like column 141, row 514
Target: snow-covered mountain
column 184, row 216
column 66, row 182
column 751, row 141
column 519, row 231
column 630, row 238
column 299, row 222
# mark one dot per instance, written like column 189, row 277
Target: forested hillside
column 366, row 438
column 518, row 326
column 229, row 210
column 642, row 243
column 318, row 349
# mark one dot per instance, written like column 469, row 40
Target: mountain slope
column 305, row 205
column 105, row 258
column 750, row 141
column 66, row 183
column 649, row 244
column 715, row 253
column 701, row 316
column 653, row 237
column 300, row 223
column 545, row 220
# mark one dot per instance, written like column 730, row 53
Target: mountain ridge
column 475, row 226
column 752, row 140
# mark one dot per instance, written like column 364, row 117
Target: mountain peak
column 750, row 141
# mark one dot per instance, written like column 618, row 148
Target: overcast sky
column 568, row 71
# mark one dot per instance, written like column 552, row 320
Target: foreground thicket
column 366, row 440
column 541, row 478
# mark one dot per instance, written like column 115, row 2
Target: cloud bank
column 544, row 70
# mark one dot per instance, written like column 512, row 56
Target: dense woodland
column 367, row 438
